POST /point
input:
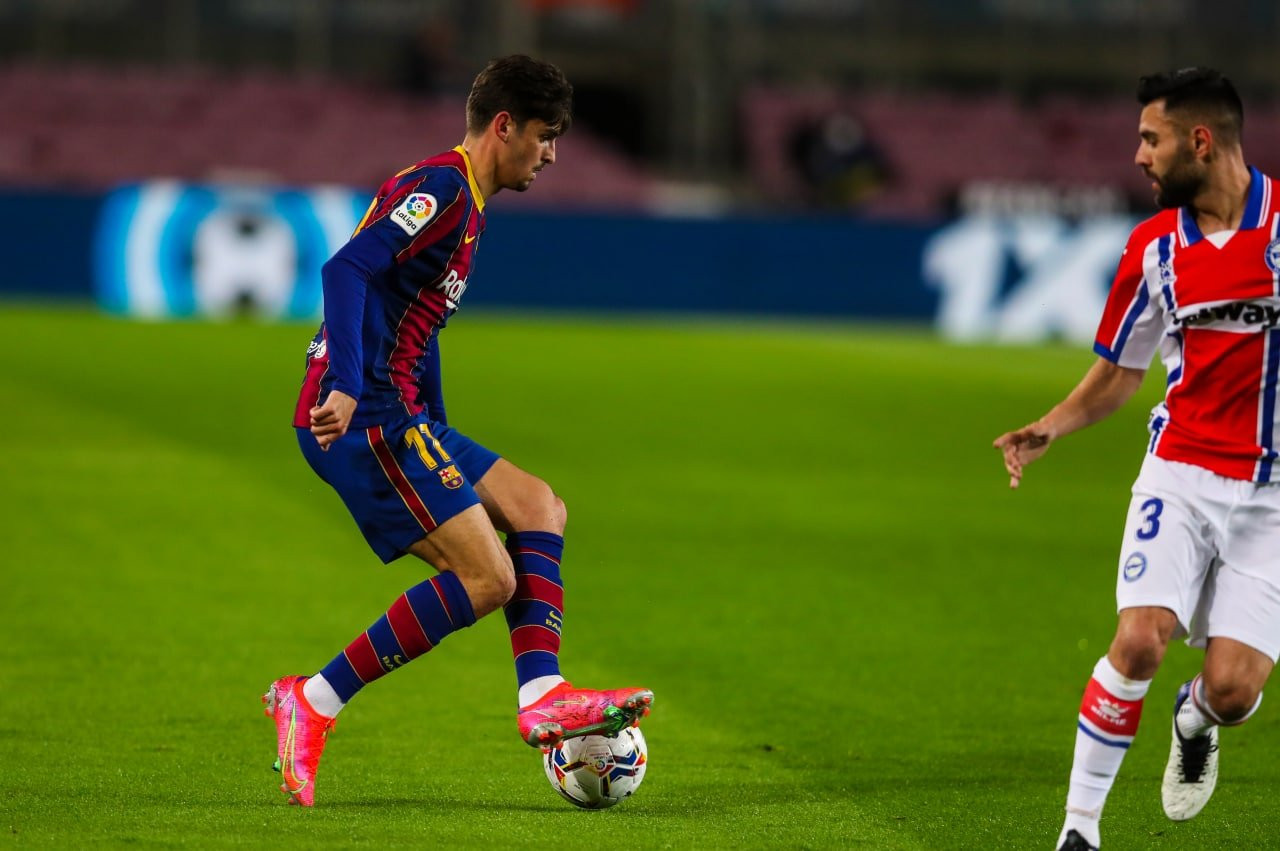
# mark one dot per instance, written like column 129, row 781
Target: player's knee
column 492, row 587
column 504, row 585
column 1138, row 649
column 1137, row 662
column 540, row 509
column 559, row 514
column 1230, row 701
column 547, row 511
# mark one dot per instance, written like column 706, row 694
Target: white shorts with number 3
column 1207, row 548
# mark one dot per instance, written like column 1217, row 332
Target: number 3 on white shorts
column 1153, row 507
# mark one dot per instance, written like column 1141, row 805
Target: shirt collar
column 471, row 179
column 1255, row 211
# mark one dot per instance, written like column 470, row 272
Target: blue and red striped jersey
column 389, row 291
column 1211, row 306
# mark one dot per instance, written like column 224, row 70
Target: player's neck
column 484, row 163
column 1221, row 205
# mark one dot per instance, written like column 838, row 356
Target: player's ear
column 1201, row 140
column 504, row 125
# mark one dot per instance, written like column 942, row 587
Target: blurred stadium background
column 965, row 163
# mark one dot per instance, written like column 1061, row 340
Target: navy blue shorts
column 400, row 480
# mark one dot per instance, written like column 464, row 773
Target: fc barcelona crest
column 1273, row 255
column 451, row 477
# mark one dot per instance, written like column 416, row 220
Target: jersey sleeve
column 1131, row 326
column 418, row 211
column 345, row 281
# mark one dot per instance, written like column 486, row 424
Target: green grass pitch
column 798, row 536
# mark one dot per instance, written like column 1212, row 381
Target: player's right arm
column 1103, row 390
column 1128, row 335
column 345, row 280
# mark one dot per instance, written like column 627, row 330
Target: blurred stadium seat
column 91, row 128
column 937, row 143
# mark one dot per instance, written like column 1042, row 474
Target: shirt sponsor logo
column 453, row 286
column 1245, row 315
column 1110, row 712
column 414, row 212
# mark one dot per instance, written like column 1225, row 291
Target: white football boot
column 1192, row 770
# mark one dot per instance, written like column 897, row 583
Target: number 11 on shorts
column 419, row 436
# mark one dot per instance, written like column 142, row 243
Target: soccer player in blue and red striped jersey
column 1199, row 282
column 371, row 422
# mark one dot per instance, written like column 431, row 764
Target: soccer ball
column 595, row 772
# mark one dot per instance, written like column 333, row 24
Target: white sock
column 321, row 696
column 537, row 687
column 1109, row 712
column 1085, row 824
column 1190, row 719
column 1196, row 716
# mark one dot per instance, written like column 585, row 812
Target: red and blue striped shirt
column 389, row 291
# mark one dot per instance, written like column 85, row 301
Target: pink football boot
column 300, row 733
column 566, row 713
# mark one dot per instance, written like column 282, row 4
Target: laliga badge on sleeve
column 414, row 212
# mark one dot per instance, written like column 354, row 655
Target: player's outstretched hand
column 330, row 420
column 1021, row 447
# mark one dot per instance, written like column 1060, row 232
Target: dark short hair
column 1199, row 93
column 525, row 87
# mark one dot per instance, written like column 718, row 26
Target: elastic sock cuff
column 457, row 597
column 549, row 540
column 1202, row 703
column 1118, row 684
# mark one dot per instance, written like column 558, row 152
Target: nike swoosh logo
column 286, row 769
column 467, row 240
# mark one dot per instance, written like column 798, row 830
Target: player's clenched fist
column 330, row 420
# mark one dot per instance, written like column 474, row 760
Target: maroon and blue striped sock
column 416, row 622
column 536, row 611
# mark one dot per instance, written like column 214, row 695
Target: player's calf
column 467, row 546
